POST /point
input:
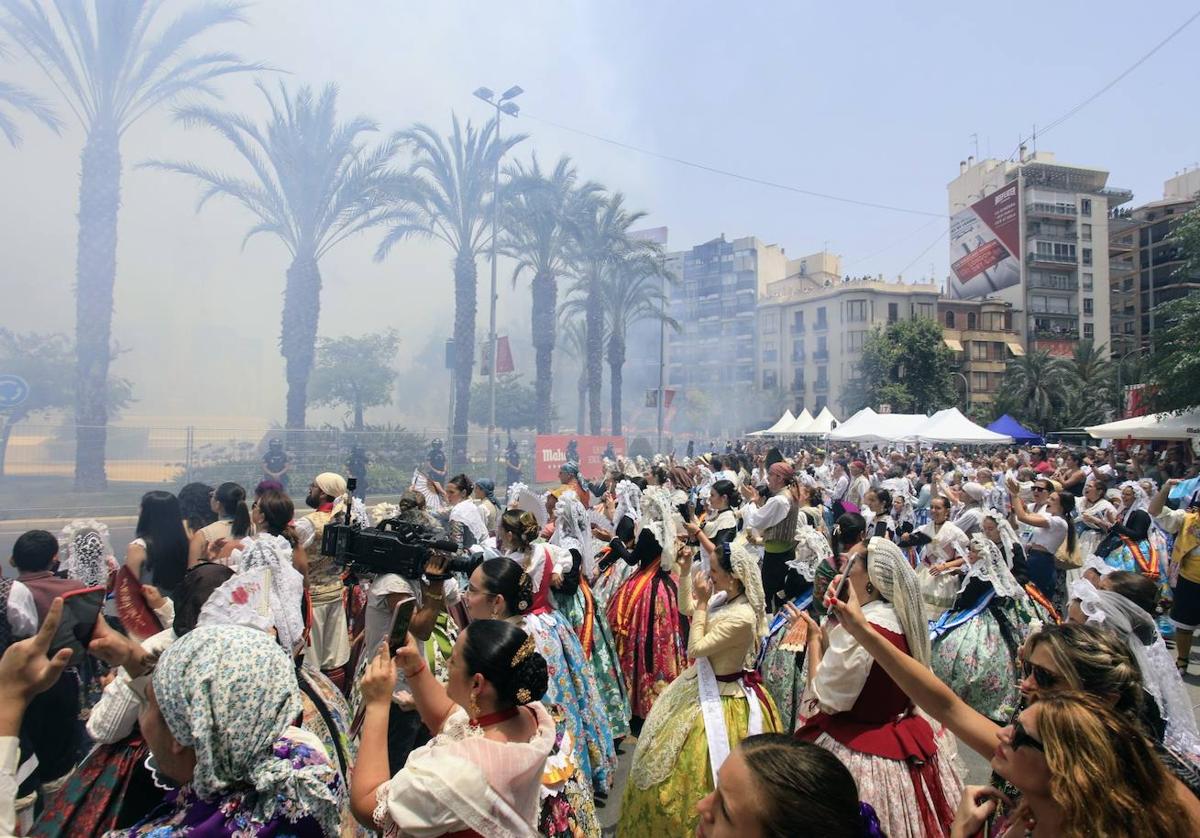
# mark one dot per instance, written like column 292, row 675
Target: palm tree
column 630, row 292
column 538, row 208
column 313, row 184
column 574, row 335
column 1091, row 376
column 1035, row 389
column 446, row 194
column 601, row 240
column 111, row 69
column 14, row 98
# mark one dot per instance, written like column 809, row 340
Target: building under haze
column 1146, row 269
column 813, row 324
column 1034, row 232
column 982, row 336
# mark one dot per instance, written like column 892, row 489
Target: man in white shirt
column 856, row 492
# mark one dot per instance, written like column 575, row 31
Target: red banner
column 551, row 453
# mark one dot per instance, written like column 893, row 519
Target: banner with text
column 552, row 450
column 985, row 245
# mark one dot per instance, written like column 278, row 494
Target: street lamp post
column 503, row 104
column 966, row 388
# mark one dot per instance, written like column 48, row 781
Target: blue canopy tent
column 1011, row 427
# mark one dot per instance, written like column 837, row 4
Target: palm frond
column 18, row 99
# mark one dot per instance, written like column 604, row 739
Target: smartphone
column 401, row 617
column 845, row 583
column 685, row 511
column 81, row 609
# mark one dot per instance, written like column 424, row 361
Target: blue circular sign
column 14, row 390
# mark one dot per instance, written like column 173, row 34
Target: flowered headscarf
column 229, row 693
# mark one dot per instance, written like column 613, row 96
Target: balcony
column 821, row 355
column 1057, row 210
column 798, row 355
column 798, row 386
column 1053, row 258
column 1069, row 284
column 822, row 326
column 1046, row 236
column 820, row 386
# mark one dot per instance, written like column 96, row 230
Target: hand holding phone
column 81, row 609
column 402, row 616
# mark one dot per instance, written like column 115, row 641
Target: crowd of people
column 791, row 644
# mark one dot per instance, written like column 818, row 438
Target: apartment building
column 982, row 336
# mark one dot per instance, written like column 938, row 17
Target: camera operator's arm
column 433, row 599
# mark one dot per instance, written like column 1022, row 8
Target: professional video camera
column 394, row 546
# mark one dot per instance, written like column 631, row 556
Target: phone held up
column 81, row 609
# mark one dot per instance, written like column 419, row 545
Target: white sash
column 715, row 730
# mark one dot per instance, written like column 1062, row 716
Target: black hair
column 463, row 484
column 626, row 529
column 34, row 551
column 160, row 525
column 848, row 531
column 1138, row 589
column 1067, row 501
column 803, row 790
column 660, row 475
column 504, row 578
column 194, row 505
column 640, row 482
column 884, row 497
column 231, row 497
column 491, row 648
column 724, row 556
column 194, row 590
column 727, row 490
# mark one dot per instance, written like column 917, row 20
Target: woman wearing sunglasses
column 1051, row 528
column 1082, row 769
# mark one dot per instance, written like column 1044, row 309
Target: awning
column 1016, row 349
column 953, row 344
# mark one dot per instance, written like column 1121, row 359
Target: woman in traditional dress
column 976, row 642
column 1137, row 551
column 881, row 523
column 1096, row 517
column 481, row 774
column 721, row 523
column 500, row 590
column 573, row 684
column 575, row 601
column 611, row 571
column 905, row 768
column 1000, row 532
column 646, row 623
column 466, row 522
column 943, row 547
column 709, row 708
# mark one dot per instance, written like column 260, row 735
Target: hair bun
column 530, row 679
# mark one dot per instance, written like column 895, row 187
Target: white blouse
column 846, row 664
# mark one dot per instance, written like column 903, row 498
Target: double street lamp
column 503, row 104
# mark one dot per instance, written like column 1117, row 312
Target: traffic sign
column 14, row 390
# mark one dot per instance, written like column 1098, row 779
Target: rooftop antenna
column 975, row 138
column 1035, row 138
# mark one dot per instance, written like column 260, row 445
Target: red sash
column 541, row 599
column 1148, row 567
column 587, row 629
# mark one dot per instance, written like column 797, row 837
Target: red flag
column 504, row 358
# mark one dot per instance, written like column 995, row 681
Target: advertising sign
column 985, row 245
column 551, row 451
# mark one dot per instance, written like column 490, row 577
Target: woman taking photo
column 1050, row 530
column 481, row 775
column 721, row 523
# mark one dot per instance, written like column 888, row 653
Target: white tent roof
column 950, row 426
column 1153, row 426
column 785, row 421
column 799, row 423
column 822, row 425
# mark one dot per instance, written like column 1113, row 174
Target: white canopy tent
column 785, row 421
column 944, row 427
column 1166, row 426
column 798, row 424
column 820, row 426
column 949, row 426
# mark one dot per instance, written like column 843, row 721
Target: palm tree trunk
column 595, row 350
column 298, row 341
column 616, row 361
column 358, row 413
column 545, row 304
column 465, row 306
column 95, row 274
column 583, row 400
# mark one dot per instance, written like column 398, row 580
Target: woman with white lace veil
column 611, row 572
column 1159, row 676
column 977, row 641
column 575, row 601
column 712, row 705
column 906, row 767
column 87, row 553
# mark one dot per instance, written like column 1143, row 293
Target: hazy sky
column 861, row 100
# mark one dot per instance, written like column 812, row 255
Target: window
column 925, row 310
column 855, row 340
column 1085, row 232
column 979, row 350
column 1087, row 256
column 1087, row 305
column 822, row 344
column 1085, row 206
column 949, row 319
column 1087, row 282
column 856, row 311
column 822, row 323
column 798, row 321
column 979, row 382
column 820, row 404
column 1089, row 331
column 1008, row 321
column 822, row 377
column 893, row 312
column 970, row 320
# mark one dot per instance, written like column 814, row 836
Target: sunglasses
column 1044, row 678
column 1038, row 489
column 1021, row 737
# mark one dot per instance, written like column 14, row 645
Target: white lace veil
column 1140, row 500
column 890, row 572
column 745, row 570
column 629, row 502
column 1159, row 675
column 573, row 529
column 88, row 553
column 989, row 565
column 658, row 515
column 1008, row 536
column 811, row 548
column 285, row 583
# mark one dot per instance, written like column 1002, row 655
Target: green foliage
column 355, row 372
column 907, row 366
column 1047, row 392
column 516, row 403
column 1174, row 363
column 47, row 363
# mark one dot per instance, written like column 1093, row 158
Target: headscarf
column 811, row 549
column 990, row 567
column 1007, row 536
column 571, row 469
column 895, row 579
column 1159, row 675
column 629, row 502
column 488, row 486
column 783, row 471
column 744, row 566
column 229, row 693
column 331, row 484
column 286, row 584
column 88, row 553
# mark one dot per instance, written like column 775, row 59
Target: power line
column 737, row 176
column 921, row 255
column 1057, row 122
column 895, row 243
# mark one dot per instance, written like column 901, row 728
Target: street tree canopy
column 1174, row 363
column 907, row 366
column 355, row 372
column 516, row 403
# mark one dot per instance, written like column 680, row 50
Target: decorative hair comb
column 527, row 649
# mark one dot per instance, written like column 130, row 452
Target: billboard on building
column 985, row 245
column 553, row 450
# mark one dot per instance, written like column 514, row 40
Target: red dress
column 649, row 633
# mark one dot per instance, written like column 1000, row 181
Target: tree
column 602, row 240
column 905, row 365
column 314, row 184
column 574, row 334
column 14, row 98
column 516, row 403
column 1173, row 363
column 1035, row 390
column 355, row 372
column 630, row 292
column 446, row 194
column 1090, row 376
column 46, row 363
column 112, row 64
column 538, row 211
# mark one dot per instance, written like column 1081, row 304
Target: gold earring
column 472, row 707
